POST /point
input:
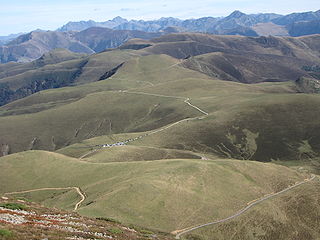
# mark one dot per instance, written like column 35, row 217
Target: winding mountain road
column 77, row 189
column 178, row 233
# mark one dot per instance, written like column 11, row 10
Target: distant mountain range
column 6, row 39
column 90, row 36
column 237, row 23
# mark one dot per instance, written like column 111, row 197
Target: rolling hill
column 170, row 133
column 162, row 195
column 232, row 58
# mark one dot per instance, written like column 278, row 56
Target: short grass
column 284, row 217
column 64, row 199
column 57, row 118
column 13, row 206
column 5, row 233
column 164, row 195
column 127, row 153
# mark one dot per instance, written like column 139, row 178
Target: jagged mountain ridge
column 90, row 37
column 237, row 23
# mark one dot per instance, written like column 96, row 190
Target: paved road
column 178, row 233
column 78, row 190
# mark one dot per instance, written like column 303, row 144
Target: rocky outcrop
column 308, row 85
column 4, row 149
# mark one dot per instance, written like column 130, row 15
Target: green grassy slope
column 127, row 153
column 165, row 195
column 69, row 123
column 267, row 127
column 193, row 126
column 55, row 56
column 286, row 217
column 57, row 69
column 252, row 124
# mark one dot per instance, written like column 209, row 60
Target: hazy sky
column 27, row 15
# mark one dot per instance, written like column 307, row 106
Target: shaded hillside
column 99, row 39
column 297, row 17
column 248, row 67
column 53, row 57
column 241, row 59
column 244, row 124
column 33, row 45
column 183, row 45
column 56, row 69
column 232, row 58
column 304, row 28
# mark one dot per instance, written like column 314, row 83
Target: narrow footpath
column 77, row 189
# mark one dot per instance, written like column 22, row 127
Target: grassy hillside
column 253, row 124
column 249, row 67
column 191, row 147
column 164, row 195
column 270, row 127
column 126, row 153
column 286, row 217
column 233, row 58
column 34, row 221
column 56, row 69
column 144, row 112
column 55, row 56
column 182, row 45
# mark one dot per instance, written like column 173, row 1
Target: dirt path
column 122, row 143
column 88, row 153
column 78, row 190
column 178, row 233
column 186, row 99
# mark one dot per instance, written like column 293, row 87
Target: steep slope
column 83, row 25
column 248, row 67
column 297, row 17
column 235, row 23
column 304, row 28
column 17, row 216
column 269, row 128
column 33, row 45
column 55, row 70
column 105, row 118
column 235, row 58
column 55, row 56
column 151, row 92
column 100, row 39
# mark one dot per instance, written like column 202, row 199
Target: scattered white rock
column 129, row 229
column 13, row 219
